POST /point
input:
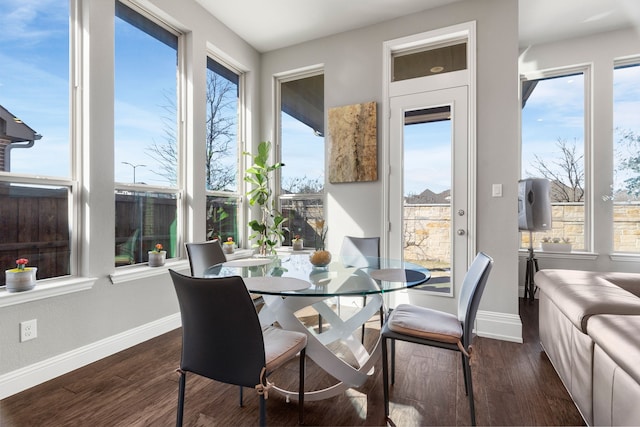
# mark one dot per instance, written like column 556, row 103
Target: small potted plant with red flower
column 21, row 278
column 157, row 256
column 229, row 246
column 297, row 243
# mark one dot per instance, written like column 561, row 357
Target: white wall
column 599, row 51
column 353, row 74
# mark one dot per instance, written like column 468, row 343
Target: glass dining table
column 289, row 283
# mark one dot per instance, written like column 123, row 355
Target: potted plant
column 229, row 246
column 21, row 278
column 556, row 244
column 297, row 243
column 320, row 257
column 157, row 256
column 267, row 230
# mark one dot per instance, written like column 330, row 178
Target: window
column 428, row 62
column 553, row 147
column 35, row 192
column 626, row 169
column 302, row 153
column 146, row 136
column 223, row 152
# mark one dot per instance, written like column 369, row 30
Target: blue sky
column 555, row 110
column 35, row 49
column 427, row 157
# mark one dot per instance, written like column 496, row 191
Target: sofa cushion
column 581, row 294
column 618, row 337
column 628, row 281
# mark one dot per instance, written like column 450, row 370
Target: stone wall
column 428, row 235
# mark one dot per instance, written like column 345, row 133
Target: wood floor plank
column 514, row 384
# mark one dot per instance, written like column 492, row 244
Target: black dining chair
column 222, row 339
column 361, row 252
column 203, row 255
column 425, row 326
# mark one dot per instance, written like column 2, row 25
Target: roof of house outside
column 13, row 129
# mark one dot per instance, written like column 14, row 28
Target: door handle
column 460, row 232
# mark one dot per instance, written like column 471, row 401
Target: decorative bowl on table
column 320, row 258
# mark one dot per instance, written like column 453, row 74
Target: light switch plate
column 496, row 190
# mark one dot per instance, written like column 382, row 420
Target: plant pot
column 320, row 258
column 297, row 245
column 157, row 259
column 228, row 248
column 20, row 280
column 556, row 247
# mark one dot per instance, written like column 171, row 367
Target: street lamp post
column 134, row 169
column 139, row 205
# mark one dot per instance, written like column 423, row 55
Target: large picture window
column 302, row 153
column 146, row 136
column 36, row 192
column 553, row 147
column 626, row 158
column 223, row 152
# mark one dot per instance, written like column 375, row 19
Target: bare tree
column 221, row 132
column 302, row 185
column 628, row 158
column 566, row 172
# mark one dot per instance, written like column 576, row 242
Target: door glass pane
column 427, row 193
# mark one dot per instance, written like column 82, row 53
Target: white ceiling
column 269, row 25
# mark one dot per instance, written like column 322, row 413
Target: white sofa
column 590, row 328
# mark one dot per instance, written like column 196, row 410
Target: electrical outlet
column 28, row 330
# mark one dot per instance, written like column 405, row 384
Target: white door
column 428, row 184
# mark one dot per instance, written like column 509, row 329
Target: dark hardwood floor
column 514, row 384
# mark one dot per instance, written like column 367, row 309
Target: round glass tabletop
column 341, row 277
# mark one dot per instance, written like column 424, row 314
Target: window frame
column 630, row 61
column 278, row 79
column 181, row 101
column 586, row 71
column 74, row 282
column 241, row 137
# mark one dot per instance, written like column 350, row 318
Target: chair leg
column 466, row 383
column 303, row 355
column 240, row 394
column 364, row 302
column 319, row 323
column 181, row 387
column 467, row 374
column 385, row 376
column 263, row 411
column 393, row 362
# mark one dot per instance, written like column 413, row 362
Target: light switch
column 496, row 190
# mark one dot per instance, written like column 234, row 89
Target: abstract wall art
column 353, row 145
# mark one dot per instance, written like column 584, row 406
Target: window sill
column 625, row 257
column 47, row 288
column 143, row 271
column 523, row 253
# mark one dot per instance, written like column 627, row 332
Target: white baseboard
column 32, row 375
column 501, row 326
